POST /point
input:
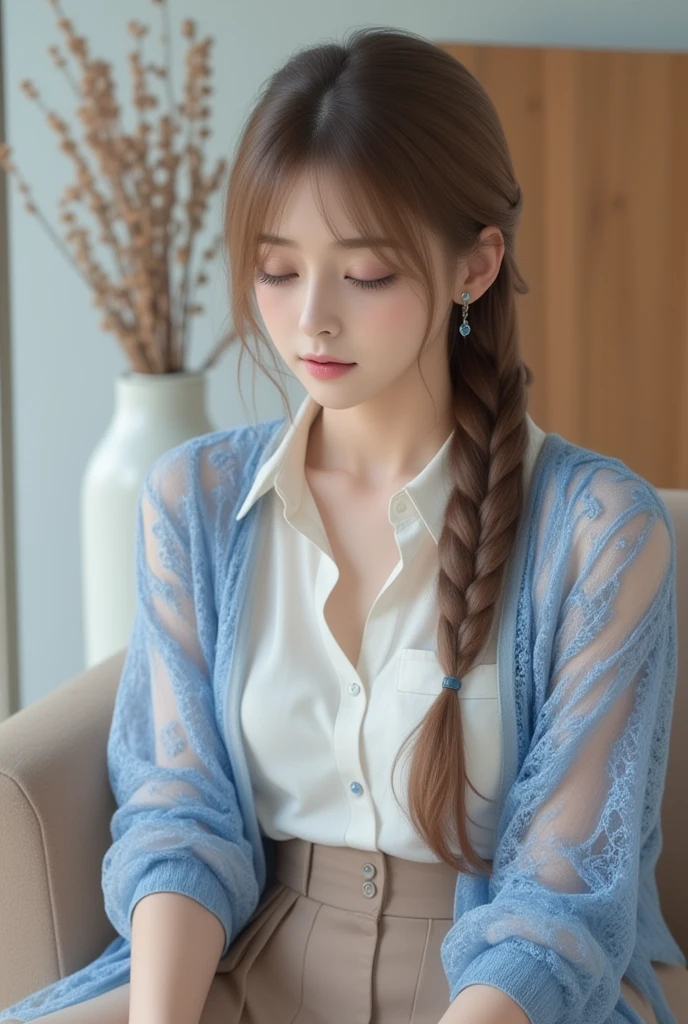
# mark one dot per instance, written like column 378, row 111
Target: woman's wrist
column 484, row 1004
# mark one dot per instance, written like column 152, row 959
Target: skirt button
column 369, row 870
column 369, row 889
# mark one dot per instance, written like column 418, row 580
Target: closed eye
column 380, row 282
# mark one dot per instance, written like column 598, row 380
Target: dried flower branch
column 130, row 186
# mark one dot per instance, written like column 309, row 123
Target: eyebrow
column 343, row 243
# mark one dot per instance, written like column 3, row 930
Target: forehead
column 314, row 211
column 309, row 194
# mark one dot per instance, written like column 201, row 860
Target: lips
column 319, row 359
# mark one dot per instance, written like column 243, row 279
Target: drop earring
column 464, row 328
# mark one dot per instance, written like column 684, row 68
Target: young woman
column 390, row 739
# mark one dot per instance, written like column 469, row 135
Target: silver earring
column 464, row 328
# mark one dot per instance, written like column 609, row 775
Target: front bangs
column 373, row 209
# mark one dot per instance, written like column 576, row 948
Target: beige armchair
column 55, row 818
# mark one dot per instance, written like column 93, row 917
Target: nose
column 318, row 314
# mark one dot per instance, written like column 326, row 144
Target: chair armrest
column 55, row 808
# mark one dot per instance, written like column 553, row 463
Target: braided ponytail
column 486, row 457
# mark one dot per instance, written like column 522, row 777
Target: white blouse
column 320, row 746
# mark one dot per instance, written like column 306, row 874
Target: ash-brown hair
column 414, row 144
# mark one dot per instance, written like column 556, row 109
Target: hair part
column 413, row 144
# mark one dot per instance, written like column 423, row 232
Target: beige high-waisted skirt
column 343, row 936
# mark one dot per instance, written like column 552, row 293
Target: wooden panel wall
column 599, row 141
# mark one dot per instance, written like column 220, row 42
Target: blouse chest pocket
column 420, row 671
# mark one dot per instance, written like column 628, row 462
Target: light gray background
column 63, row 364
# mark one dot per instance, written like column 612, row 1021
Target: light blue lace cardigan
column 587, row 667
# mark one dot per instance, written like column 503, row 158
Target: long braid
column 486, row 459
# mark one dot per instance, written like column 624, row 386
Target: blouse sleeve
column 559, row 929
column 177, row 827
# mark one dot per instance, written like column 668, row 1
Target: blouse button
column 400, row 506
column 356, row 788
column 354, row 688
column 369, row 889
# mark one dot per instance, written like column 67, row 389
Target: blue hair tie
column 451, row 683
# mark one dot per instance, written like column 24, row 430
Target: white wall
column 63, row 364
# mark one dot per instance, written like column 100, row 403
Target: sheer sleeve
column 559, row 929
column 177, row 827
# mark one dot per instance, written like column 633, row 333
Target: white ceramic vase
column 153, row 413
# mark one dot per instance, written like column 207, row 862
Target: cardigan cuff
column 522, row 976
column 189, row 877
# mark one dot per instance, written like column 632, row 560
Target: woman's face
column 349, row 304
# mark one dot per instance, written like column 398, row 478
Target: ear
column 478, row 270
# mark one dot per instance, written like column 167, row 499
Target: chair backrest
column 671, row 866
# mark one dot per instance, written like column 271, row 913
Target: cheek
column 275, row 315
column 268, row 303
column 398, row 316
